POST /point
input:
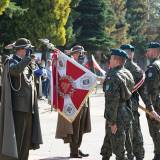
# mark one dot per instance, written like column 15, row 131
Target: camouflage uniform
column 137, row 140
column 106, row 150
column 150, row 94
column 118, row 85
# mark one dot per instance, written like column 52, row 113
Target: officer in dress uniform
column 23, row 103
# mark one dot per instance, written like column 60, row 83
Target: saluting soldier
column 150, row 93
column 19, row 118
column 119, row 83
column 138, row 74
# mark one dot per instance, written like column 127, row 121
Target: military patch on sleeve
column 151, row 73
column 107, row 88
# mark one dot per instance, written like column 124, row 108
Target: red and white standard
column 70, row 86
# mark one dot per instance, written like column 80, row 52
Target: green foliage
column 70, row 35
column 153, row 20
column 9, row 21
column 120, row 28
column 36, row 19
column 90, row 25
column 137, row 18
column 3, row 5
column 154, row 12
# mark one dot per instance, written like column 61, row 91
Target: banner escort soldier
column 72, row 133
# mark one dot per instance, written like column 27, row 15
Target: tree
column 154, row 11
column 70, row 35
column 46, row 20
column 120, row 29
column 90, row 26
column 8, row 22
column 136, row 16
column 3, row 5
column 153, row 20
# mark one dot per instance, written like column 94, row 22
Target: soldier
column 0, row 74
column 19, row 113
column 139, row 77
column 150, row 92
column 106, row 149
column 118, row 90
column 72, row 133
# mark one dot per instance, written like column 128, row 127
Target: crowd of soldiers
column 124, row 83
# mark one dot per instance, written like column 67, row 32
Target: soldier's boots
column 131, row 157
column 75, row 156
column 138, row 158
column 83, row 154
column 156, row 157
column 108, row 158
column 105, row 158
column 124, row 158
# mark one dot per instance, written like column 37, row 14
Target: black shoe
column 105, row 158
column 82, row 154
column 156, row 157
column 75, row 156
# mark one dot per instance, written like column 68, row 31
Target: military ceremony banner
column 70, row 86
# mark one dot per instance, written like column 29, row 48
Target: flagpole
column 56, row 81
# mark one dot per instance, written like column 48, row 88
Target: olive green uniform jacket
column 8, row 146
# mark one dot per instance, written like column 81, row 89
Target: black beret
column 127, row 46
column 119, row 52
column 154, row 45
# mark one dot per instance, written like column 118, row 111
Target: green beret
column 119, row 52
column 154, row 45
column 127, row 46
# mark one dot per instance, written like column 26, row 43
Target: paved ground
column 54, row 149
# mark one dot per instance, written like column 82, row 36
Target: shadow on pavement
column 56, row 158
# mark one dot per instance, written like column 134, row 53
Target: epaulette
column 12, row 62
column 7, row 58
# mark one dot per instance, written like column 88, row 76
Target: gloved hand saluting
column 28, row 52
